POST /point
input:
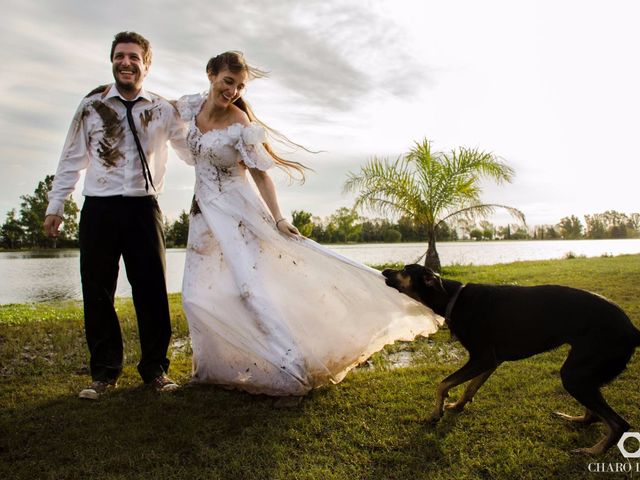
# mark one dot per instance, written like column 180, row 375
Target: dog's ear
column 433, row 280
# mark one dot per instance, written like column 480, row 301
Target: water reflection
column 40, row 254
column 38, row 276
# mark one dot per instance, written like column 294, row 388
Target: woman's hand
column 268, row 193
column 289, row 230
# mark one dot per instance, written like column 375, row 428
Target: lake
column 54, row 275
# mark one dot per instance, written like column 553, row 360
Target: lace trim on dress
column 247, row 140
column 251, row 148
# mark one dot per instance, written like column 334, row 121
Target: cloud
column 326, row 59
column 351, row 78
column 327, row 52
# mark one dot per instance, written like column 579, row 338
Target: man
column 119, row 135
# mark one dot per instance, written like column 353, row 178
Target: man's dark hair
column 133, row 37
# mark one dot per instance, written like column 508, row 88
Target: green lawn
column 370, row 426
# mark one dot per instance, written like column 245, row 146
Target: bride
column 270, row 311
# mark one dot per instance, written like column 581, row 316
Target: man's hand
column 52, row 225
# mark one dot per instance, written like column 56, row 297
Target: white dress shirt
column 100, row 141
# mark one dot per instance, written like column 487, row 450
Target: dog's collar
column 452, row 302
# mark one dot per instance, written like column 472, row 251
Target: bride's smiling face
column 226, row 86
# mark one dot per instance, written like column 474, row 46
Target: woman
column 270, row 311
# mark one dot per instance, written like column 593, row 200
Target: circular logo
column 623, row 450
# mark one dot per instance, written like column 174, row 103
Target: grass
column 370, row 426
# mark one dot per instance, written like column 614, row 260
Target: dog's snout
column 390, row 277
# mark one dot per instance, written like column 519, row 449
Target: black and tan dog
column 498, row 323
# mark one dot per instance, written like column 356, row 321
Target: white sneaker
column 162, row 383
column 96, row 389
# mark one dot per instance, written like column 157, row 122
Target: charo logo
column 622, row 467
column 625, row 453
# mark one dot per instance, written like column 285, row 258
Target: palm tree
column 430, row 187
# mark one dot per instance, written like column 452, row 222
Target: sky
column 552, row 87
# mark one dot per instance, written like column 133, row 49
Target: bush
column 392, row 236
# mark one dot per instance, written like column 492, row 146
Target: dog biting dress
column 269, row 314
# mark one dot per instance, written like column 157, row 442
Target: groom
column 119, row 135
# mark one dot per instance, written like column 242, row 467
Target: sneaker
column 162, row 383
column 96, row 389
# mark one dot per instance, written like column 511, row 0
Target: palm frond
column 483, row 210
column 425, row 183
column 385, row 187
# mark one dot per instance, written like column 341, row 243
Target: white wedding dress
column 268, row 314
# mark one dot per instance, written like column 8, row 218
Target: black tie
column 146, row 173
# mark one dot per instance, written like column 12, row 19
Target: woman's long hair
column 235, row 62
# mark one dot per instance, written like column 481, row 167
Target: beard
column 127, row 87
column 131, row 86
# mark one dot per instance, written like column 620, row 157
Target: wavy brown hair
column 133, row 37
column 235, row 62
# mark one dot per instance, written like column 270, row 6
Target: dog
column 498, row 323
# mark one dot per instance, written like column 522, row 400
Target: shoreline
column 447, row 270
column 360, row 244
column 43, row 276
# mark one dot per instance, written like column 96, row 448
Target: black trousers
column 131, row 227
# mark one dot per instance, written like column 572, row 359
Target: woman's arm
column 268, row 192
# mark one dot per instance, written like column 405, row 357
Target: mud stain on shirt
column 74, row 135
column 112, row 133
column 149, row 115
column 101, row 89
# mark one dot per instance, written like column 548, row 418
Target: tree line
column 22, row 227
column 346, row 226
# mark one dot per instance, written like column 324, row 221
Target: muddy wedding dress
column 268, row 314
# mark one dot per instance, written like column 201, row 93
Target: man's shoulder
column 157, row 98
column 98, row 93
column 169, row 106
column 91, row 101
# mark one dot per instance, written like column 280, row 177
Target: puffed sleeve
column 251, row 148
column 189, row 105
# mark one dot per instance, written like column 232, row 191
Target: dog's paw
column 590, row 452
column 454, row 407
column 434, row 418
column 582, row 419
